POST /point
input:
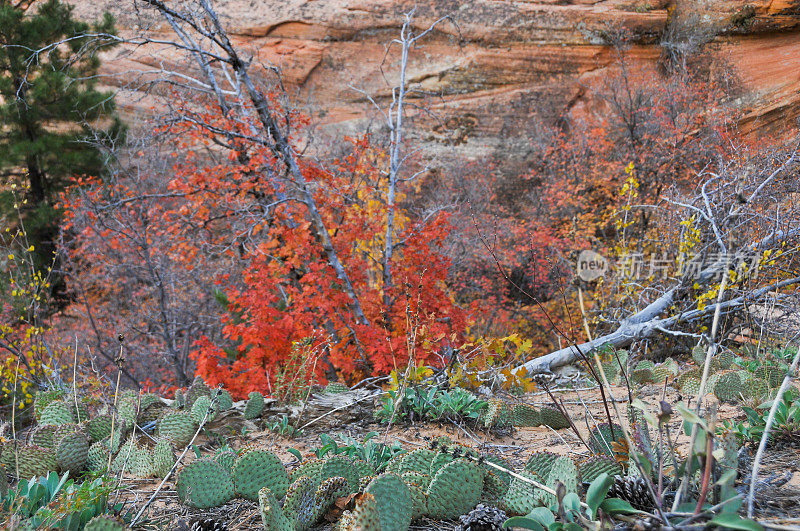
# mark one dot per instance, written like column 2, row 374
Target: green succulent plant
column 393, row 500
column 455, row 489
column 255, row 405
column 256, row 468
column 178, row 427
column 554, row 418
column 204, row 484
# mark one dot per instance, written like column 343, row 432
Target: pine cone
column 208, row 524
column 482, row 518
column 632, row 489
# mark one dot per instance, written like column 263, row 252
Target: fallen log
column 644, row 324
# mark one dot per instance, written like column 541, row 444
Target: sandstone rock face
column 501, row 63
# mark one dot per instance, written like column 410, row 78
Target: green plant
column 281, row 426
column 455, row 489
column 407, row 403
column 393, row 501
column 786, row 424
column 256, row 468
column 178, row 427
column 376, row 454
column 58, row 502
column 204, row 484
column 457, row 403
column 56, row 84
column 568, row 513
column 554, row 418
column 255, row 405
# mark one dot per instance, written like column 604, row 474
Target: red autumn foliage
column 225, row 217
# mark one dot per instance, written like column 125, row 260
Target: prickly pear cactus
column 178, row 427
column 308, row 467
column 223, row 398
column 455, row 489
column 44, row 436
column 180, row 400
column 495, row 482
column 125, row 459
column 554, row 418
column 327, row 493
column 226, row 457
column 203, row 409
column 56, row 413
column 43, row 398
column 602, row 437
column 594, row 466
column 32, row 460
column 393, row 500
column 272, row 516
column 729, row 388
column 419, row 499
column 364, row 517
column 416, row 461
column 520, row 499
column 713, row 380
column 341, row 466
column 257, row 468
column 690, row 386
column 128, row 410
column 196, row 390
column 696, row 372
column 204, row 484
column 540, row 463
column 439, row 461
column 699, row 354
column 72, row 452
column 97, row 457
column 143, row 466
column 393, row 466
column 255, row 405
column 163, row 458
column 497, row 414
column 364, row 469
column 525, row 416
column 299, row 504
column 723, row 360
column 563, row 471
column 99, row 428
column 773, row 374
column 105, row 522
column 643, row 372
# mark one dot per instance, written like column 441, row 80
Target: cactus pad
column 178, row 427
column 594, row 466
column 56, row 413
column 393, row 500
column 554, row 418
column 204, row 484
column 255, row 405
column 258, row 468
column 341, row 466
column 203, row 409
column 72, row 452
column 455, row 489
column 525, row 415
column 540, row 463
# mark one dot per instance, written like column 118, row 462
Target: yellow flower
column 10, row 256
column 30, row 249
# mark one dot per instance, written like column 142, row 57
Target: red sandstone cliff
column 504, row 62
